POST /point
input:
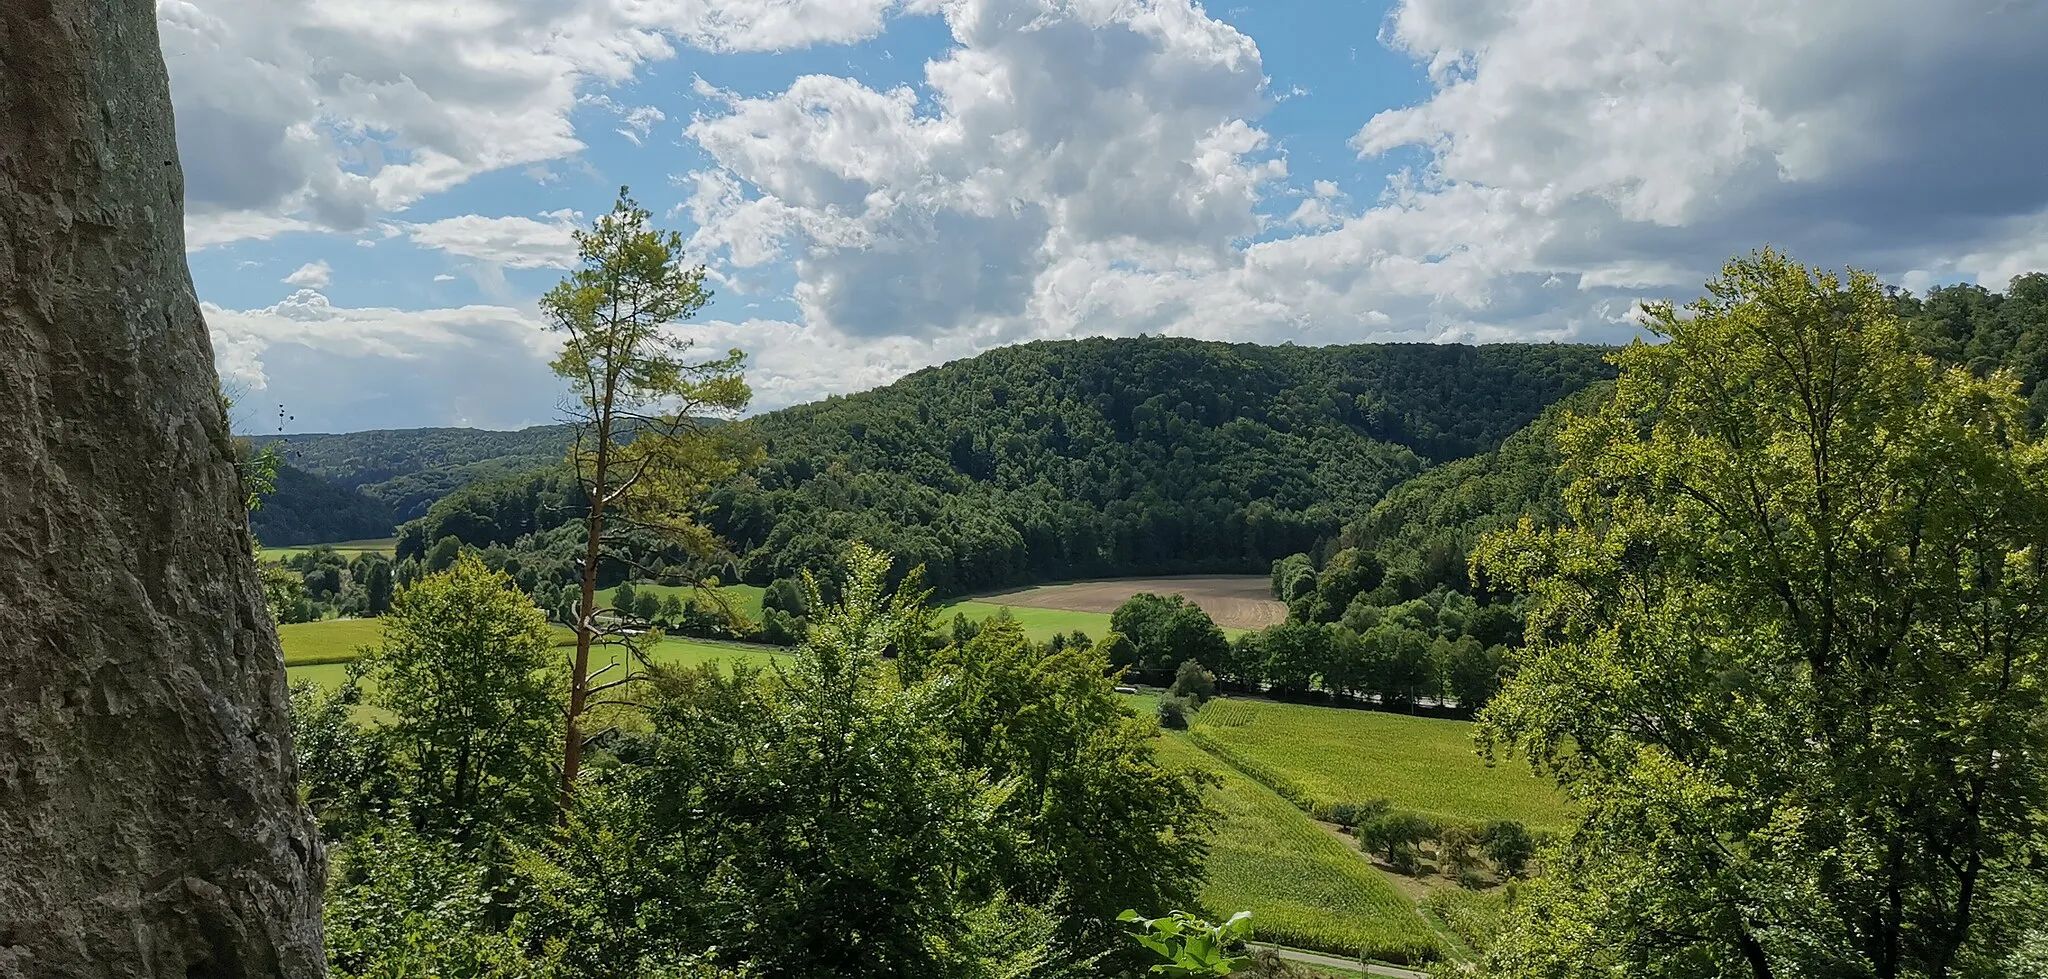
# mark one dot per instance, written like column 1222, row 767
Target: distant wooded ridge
column 1052, row 458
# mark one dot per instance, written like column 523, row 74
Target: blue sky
column 378, row 190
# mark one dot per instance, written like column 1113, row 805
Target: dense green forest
column 1389, row 608
column 1078, row 458
column 1115, row 457
column 406, row 470
column 307, row 509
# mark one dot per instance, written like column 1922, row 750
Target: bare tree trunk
column 149, row 818
column 586, row 626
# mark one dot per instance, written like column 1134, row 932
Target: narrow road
column 1335, row 962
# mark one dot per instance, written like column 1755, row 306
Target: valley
column 1278, row 767
column 1314, row 567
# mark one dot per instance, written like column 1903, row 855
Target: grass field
column 319, row 650
column 1039, row 623
column 1317, row 756
column 382, row 545
column 1303, row 887
column 329, row 641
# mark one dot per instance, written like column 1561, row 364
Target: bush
column 1355, row 814
column 1193, row 682
column 1509, row 845
column 1173, row 713
column 1395, row 836
column 1455, row 849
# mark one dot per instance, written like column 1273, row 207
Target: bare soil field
column 1234, row 601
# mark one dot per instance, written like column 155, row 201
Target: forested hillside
column 1092, row 457
column 1402, row 561
column 306, row 509
column 1118, row 457
column 408, row 469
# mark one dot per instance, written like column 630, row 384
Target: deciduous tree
column 1787, row 650
column 463, row 672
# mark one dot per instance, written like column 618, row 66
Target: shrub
column 1509, row 845
column 1173, row 713
column 1355, row 814
column 1193, row 682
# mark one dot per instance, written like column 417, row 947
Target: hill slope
column 1102, row 457
column 1440, row 515
column 408, row 469
column 1049, row 460
column 306, row 509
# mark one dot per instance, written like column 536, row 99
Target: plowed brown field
column 1234, row 601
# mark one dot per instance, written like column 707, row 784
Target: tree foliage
column 464, row 672
column 642, row 454
column 1787, row 650
column 1165, row 631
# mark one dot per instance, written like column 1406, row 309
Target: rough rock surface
column 149, row 824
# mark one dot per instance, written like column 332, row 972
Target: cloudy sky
column 378, row 190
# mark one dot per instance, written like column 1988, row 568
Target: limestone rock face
column 149, row 822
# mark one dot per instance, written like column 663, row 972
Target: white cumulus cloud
column 312, row 275
column 510, row 242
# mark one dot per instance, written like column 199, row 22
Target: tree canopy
column 1787, row 650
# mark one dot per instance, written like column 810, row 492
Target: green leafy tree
column 1397, row 663
column 463, row 673
column 1167, row 630
column 1293, row 577
column 1295, row 652
column 1193, row 682
column 647, row 606
column 284, row 591
column 345, row 773
column 810, row 823
column 442, row 555
column 1509, row 845
column 1395, row 836
column 1190, row 946
column 377, row 584
column 1786, row 649
column 401, row 904
column 1091, row 802
column 643, row 454
column 785, row 594
column 1457, row 849
column 1117, row 650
